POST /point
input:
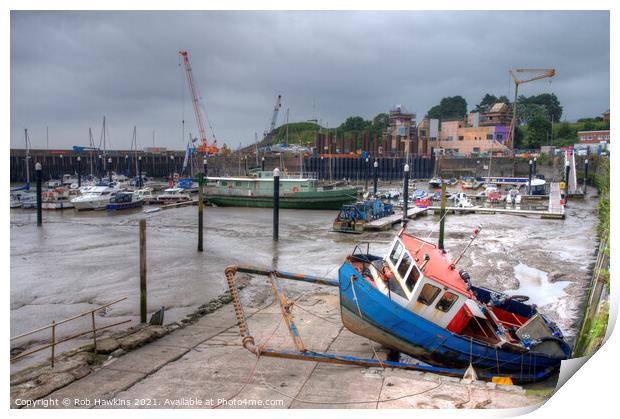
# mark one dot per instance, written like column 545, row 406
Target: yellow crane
column 540, row 73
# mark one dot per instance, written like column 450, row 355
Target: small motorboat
column 173, row 195
column 461, row 200
column 494, row 197
column 58, row 198
column 53, row 183
column 435, row 183
column 436, row 196
column 124, row 200
column 94, row 198
column 423, row 202
column 419, row 194
column 513, row 197
column 15, row 202
column 539, row 187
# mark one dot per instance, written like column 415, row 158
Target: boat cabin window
column 395, row 287
column 446, row 302
column 413, row 278
column 404, row 265
column 428, row 294
column 396, row 252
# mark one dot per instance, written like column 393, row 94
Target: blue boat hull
column 124, row 205
column 368, row 312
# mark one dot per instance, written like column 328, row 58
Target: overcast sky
column 70, row 69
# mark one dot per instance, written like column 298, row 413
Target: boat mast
column 27, row 156
column 90, row 153
column 471, row 240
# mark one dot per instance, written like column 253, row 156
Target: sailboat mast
column 27, row 156
column 90, row 153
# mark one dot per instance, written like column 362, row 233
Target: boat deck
column 386, row 222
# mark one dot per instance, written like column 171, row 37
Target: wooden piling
column 39, row 186
column 200, row 209
column 442, row 218
column 143, row 271
column 276, row 203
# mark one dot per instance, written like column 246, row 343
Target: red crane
column 204, row 144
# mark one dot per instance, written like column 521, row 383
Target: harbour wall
column 55, row 163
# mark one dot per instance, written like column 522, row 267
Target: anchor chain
column 243, row 326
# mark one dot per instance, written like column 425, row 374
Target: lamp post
column 535, row 167
column 376, row 176
column 110, row 169
column 529, row 182
column 37, row 168
column 585, row 177
column 276, row 203
column 79, row 171
column 139, row 172
column 405, row 193
column 366, row 175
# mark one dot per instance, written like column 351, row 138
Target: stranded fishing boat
column 415, row 301
column 94, row 198
column 294, row 193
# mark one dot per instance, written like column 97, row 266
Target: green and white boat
column 295, row 193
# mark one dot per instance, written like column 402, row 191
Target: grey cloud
column 68, row 69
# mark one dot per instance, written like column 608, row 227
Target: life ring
column 295, row 189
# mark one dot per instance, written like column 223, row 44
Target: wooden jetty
column 555, row 209
column 386, row 222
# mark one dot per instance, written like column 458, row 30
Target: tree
column 453, row 107
column 550, row 102
column 354, row 123
column 488, row 101
column 527, row 110
column 538, row 130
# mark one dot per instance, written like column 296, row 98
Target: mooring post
column 201, row 178
column 79, row 171
column 529, row 182
column 245, row 164
column 566, row 182
column 276, row 202
column 37, row 168
column 376, row 175
column 405, row 193
column 535, row 172
column 139, row 172
column 262, row 163
column 143, row 271
column 110, row 169
column 585, row 177
column 442, row 214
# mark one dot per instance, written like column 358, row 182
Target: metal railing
column 54, row 324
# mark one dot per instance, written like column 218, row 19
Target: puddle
column 535, row 284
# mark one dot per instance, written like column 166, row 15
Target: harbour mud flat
column 76, row 262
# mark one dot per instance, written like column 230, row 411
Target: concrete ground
column 204, row 365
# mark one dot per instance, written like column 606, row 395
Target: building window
column 489, row 136
column 476, row 149
column 449, row 138
column 461, row 138
column 499, row 136
column 423, row 133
